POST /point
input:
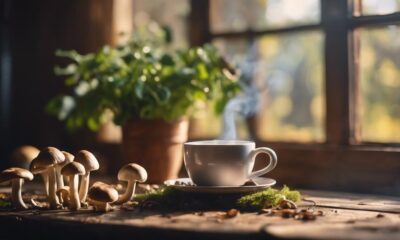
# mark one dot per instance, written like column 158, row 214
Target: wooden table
column 346, row 216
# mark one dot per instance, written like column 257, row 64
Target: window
column 330, row 71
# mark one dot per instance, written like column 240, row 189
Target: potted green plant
column 148, row 90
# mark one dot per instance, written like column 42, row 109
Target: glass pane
column 239, row 15
column 379, row 111
column 287, row 71
column 379, row 7
column 172, row 13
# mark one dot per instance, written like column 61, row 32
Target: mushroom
column 100, row 196
column 130, row 173
column 23, row 155
column 68, row 157
column 46, row 161
column 73, row 170
column 89, row 161
column 17, row 177
column 63, row 195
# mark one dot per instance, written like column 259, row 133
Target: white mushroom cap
column 47, row 157
column 101, row 192
column 88, row 160
column 12, row 173
column 131, row 172
column 73, row 168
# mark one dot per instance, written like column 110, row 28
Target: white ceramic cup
column 224, row 162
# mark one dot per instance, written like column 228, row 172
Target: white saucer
column 260, row 184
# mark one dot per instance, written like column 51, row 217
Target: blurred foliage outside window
column 287, row 69
column 379, row 111
column 239, row 15
column 379, row 7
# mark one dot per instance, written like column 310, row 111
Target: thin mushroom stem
column 129, row 193
column 74, row 202
column 53, row 199
column 45, row 177
column 84, row 188
column 16, row 195
column 59, row 177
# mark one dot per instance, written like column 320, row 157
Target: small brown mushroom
column 63, row 195
column 22, row 156
column 100, row 196
column 46, row 161
column 17, row 177
column 130, row 173
column 89, row 161
column 73, row 170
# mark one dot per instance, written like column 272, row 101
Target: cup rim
column 219, row 142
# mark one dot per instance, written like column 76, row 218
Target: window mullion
column 334, row 19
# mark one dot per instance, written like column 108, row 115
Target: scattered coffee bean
column 199, row 213
column 288, row 213
column 232, row 213
column 320, row 213
column 380, row 215
column 287, row 204
column 308, row 217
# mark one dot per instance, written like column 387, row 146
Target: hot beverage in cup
column 224, row 162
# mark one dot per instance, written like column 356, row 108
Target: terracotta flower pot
column 156, row 145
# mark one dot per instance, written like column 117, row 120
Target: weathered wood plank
column 344, row 218
column 354, row 201
column 338, row 231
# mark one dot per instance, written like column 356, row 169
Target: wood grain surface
column 346, row 216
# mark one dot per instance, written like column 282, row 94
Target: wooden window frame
column 339, row 163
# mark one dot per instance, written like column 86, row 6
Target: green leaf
column 93, row 123
column 68, row 70
column 73, row 55
column 164, row 94
column 139, row 86
column 202, row 71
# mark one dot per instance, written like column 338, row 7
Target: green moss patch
column 172, row 199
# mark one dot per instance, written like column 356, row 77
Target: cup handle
column 273, row 160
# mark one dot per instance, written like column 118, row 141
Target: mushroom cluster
column 55, row 165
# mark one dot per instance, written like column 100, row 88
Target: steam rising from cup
column 247, row 104
column 242, row 106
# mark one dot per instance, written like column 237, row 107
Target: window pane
column 380, row 84
column 239, row 15
column 287, row 70
column 379, row 7
column 172, row 13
